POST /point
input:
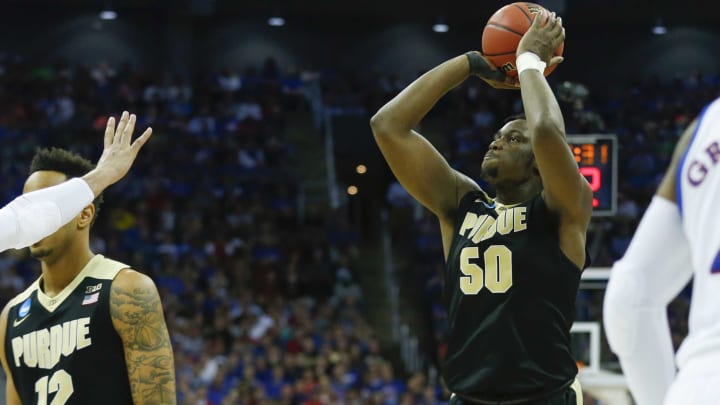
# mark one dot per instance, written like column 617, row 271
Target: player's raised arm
column 565, row 189
column 33, row 216
column 137, row 316
column 418, row 166
column 11, row 395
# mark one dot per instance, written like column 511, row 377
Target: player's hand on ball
column 481, row 67
column 543, row 38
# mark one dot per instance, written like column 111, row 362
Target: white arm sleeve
column 33, row 216
column 656, row 266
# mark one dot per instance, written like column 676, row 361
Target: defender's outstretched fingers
column 121, row 126
column 126, row 135
column 109, row 132
column 141, row 140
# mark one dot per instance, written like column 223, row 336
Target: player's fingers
column 554, row 21
column 558, row 26
column 559, row 38
column 129, row 128
column 556, row 60
column 109, row 132
column 121, row 126
column 548, row 20
column 536, row 23
column 141, row 140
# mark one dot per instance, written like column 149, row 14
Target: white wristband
column 529, row 60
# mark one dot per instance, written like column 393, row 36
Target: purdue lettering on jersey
column 510, row 294
column 64, row 350
column 482, row 227
column 42, row 348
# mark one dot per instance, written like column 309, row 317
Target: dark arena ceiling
column 343, row 12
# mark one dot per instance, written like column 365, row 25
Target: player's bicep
column 137, row 316
column 423, row 171
column 668, row 186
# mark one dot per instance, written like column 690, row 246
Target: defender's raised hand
column 119, row 152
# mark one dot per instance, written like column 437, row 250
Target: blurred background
column 293, row 268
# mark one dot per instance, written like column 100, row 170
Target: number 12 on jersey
column 497, row 275
column 60, row 384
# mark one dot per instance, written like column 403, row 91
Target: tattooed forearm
column 138, row 319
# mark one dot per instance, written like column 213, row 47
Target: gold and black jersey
column 510, row 292
column 64, row 350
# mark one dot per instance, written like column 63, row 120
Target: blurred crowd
column 260, row 290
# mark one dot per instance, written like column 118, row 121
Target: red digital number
column 594, row 177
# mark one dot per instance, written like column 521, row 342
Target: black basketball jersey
column 64, row 350
column 510, row 293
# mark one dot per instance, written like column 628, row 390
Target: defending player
column 513, row 261
column 678, row 238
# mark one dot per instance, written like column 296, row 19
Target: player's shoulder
column 128, row 280
column 469, row 190
column 100, row 267
column 23, row 296
column 707, row 119
column 713, row 107
column 21, row 299
column 465, row 189
column 132, row 289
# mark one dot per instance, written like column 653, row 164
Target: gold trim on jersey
column 499, row 207
column 98, row 267
column 578, row 391
column 496, row 205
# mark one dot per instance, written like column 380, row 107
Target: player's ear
column 86, row 216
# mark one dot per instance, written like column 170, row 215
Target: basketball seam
column 524, row 13
column 504, row 28
column 499, row 54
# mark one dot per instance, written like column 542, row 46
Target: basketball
column 504, row 30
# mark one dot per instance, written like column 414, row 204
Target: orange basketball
column 503, row 31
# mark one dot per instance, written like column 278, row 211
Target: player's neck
column 516, row 193
column 57, row 274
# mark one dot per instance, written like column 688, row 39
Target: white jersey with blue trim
column 698, row 199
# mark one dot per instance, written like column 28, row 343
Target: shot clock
column 596, row 156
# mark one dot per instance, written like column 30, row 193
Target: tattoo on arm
column 138, row 319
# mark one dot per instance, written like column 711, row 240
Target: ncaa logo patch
column 24, row 308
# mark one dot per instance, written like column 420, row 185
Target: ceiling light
column 276, row 21
column 441, row 27
column 108, row 15
column 659, row 28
